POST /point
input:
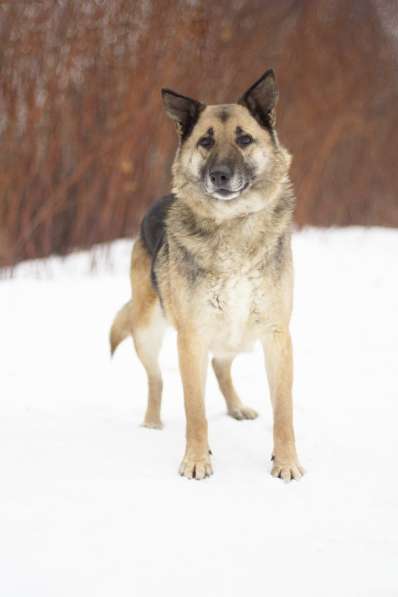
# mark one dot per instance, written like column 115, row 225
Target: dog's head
column 226, row 151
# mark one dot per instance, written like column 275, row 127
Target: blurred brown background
column 85, row 146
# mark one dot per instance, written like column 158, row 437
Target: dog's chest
column 236, row 305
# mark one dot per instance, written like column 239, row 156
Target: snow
column 91, row 503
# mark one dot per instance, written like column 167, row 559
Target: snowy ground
column 90, row 502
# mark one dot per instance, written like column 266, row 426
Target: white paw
column 243, row 412
column 196, row 467
column 153, row 424
column 287, row 471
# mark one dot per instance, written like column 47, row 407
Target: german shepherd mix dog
column 214, row 260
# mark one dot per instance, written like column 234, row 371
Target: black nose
column 220, row 175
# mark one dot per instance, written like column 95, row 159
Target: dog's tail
column 121, row 326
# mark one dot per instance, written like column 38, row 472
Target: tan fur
column 144, row 320
column 225, row 278
column 121, row 327
column 236, row 409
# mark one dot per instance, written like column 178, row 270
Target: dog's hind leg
column 148, row 340
column 143, row 319
column 148, row 327
column 236, row 409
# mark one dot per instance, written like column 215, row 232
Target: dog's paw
column 243, row 412
column 196, row 467
column 287, row 471
column 152, row 424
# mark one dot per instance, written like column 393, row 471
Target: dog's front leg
column 193, row 355
column 279, row 363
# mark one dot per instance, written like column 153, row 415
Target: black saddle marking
column 153, row 231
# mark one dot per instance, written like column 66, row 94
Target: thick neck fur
column 246, row 240
column 230, row 235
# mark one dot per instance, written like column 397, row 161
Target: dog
column 214, row 260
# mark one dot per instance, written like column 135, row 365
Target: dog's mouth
column 223, row 194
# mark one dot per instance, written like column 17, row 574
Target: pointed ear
column 183, row 110
column 261, row 98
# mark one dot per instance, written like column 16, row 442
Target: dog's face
column 226, row 150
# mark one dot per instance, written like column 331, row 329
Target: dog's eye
column 206, row 142
column 244, row 140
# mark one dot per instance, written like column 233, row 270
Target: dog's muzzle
column 223, row 183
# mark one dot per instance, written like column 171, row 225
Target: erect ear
column 183, row 110
column 261, row 98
